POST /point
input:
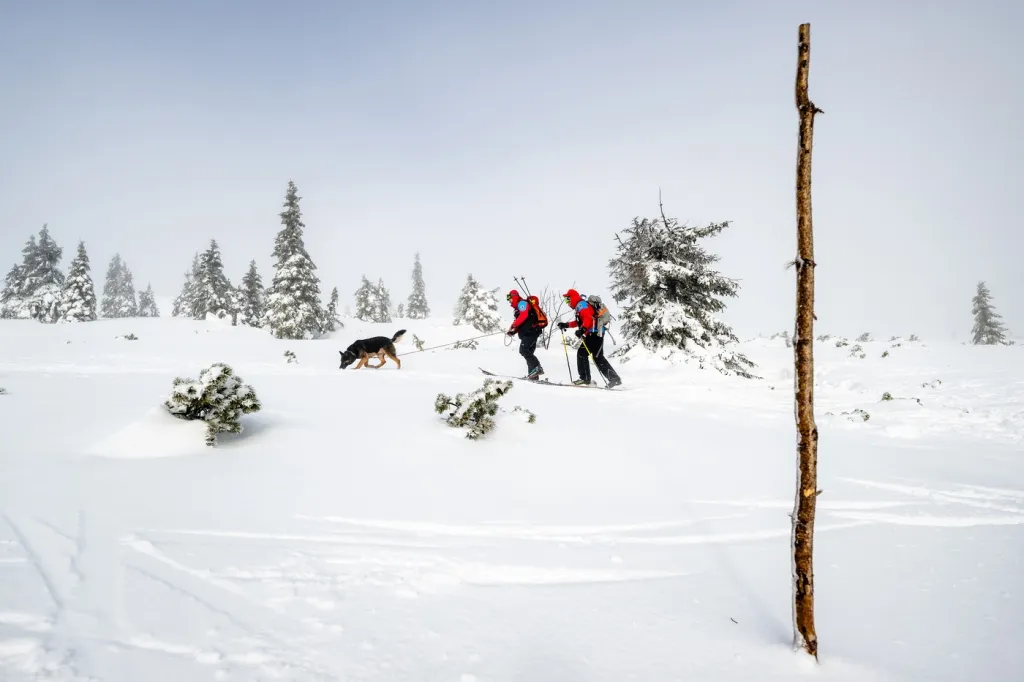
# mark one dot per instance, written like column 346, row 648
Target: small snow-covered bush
column 887, row 397
column 469, row 345
column 418, row 342
column 128, row 337
column 572, row 341
column 476, row 410
column 864, row 338
column 852, row 415
column 857, row 352
column 531, row 418
column 289, row 356
column 218, row 397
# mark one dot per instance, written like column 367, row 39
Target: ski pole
column 566, row 349
column 522, row 284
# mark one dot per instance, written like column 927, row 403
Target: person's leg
column 583, row 363
column 528, row 349
column 597, row 348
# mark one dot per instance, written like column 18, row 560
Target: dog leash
column 444, row 345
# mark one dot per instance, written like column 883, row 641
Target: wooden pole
column 807, row 491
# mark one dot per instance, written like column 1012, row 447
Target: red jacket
column 521, row 306
column 584, row 313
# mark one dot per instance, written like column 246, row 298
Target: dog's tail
column 398, row 336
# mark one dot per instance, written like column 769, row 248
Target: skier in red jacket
column 592, row 340
column 527, row 325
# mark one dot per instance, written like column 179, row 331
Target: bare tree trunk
column 804, row 634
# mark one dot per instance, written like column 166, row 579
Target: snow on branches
column 373, row 302
column 416, row 307
column 217, row 397
column 119, row 298
column 988, row 329
column 78, row 298
column 294, row 310
column 478, row 307
column 673, row 294
column 32, row 289
column 476, row 411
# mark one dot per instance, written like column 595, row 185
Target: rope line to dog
column 444, row 345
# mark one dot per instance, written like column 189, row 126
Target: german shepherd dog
column 363, row 349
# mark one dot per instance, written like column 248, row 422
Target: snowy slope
column 348, row 534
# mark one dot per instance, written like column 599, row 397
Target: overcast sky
column 516, row 138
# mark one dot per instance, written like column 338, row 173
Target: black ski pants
column 595, row 344
column 528, row 349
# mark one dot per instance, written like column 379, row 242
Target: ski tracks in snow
column 221, row 603
column 293, row 603
column 921, row 505
column 42, row 558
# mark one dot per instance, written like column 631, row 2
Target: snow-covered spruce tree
column 400, row 310
column 32, row 290
column 294, row 310
column 989, row 329
column 475, row 412
column 236, row 299
column 212, row 288
column 373, row 302
column 17, row 289
column 331, row 319
column 16, row 286
column 365, row 303
column 478, row 307
column 44, row 279
column 672, row 294
column 184, row 302
column 383, row 302
column 128, row 294
column 78, row 298
column 110, row 303
column 254, row 299
column 218, row 397
column 147, row 303
column 119, row 299
column 10, row 295
column 416, row 307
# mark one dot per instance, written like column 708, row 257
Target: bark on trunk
column 804, row 633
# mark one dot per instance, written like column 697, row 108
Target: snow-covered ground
column 349, row 534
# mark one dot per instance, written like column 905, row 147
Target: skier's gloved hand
column 563, row 325
column 511, row 332
column 579, row 333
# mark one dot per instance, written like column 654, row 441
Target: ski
column 546, row 382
